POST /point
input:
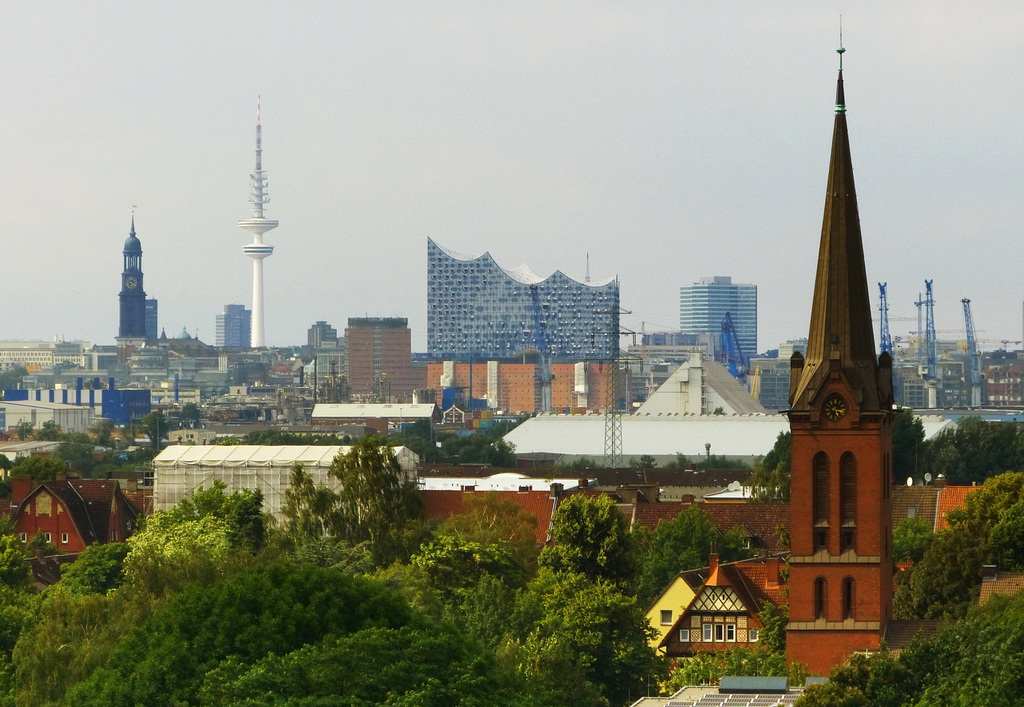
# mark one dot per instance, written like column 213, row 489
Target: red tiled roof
column 951, row 498
column 445, row 503
column 650, row 515
column 923, row 499
column 1004, row 583
column 759, row 520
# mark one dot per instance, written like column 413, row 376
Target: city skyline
column 668, row 143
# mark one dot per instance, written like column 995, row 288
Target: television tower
column 257, row 226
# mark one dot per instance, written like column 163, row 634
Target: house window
column 707, row 633
column 848, row 598
column 820, row 494
column 754, row 633
column 666, row 617
column 24, row 537
column 64, row 538
column 719, row 632
column 819, row 598
column 47, row 536
column 911, row 512
column 730, row 633
column 684, row 635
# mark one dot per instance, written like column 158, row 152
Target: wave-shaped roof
column 522, row 274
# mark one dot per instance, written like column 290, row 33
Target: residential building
column 234, row 326
column 322, row 335
column 479, row 310
column 703, row 305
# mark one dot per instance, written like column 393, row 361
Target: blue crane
column 929, row 339
column 738, row 363
column 883, row 311
column 973, row 356
column 540, row 336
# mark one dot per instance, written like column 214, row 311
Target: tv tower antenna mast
column 257, row 226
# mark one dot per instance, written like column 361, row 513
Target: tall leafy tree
column 911, row 539
column 491, row 518
column 375, row 504
column 907, row 444
column 591, row 537
column 98, row 569
column 769, row 480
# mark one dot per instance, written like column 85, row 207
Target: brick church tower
column 840, row 397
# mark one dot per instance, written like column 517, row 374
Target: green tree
column 944, row 584
column 310, row 510
column 975, row 450
column 238, row 621
column 156, row 426
column 491, row 518
column 769, row 481
column 13, row 570
column 167, row 553
column 590, row 642
column 50, row 432
column 910, row 540
column 375, row 504
column 189, row 416
column 907, row 444
column 76, row 451
column 102, row 431
column 241, row 510
column 24, row 430
column 682, row 543
column 453, row 564
column 591, row 538
column 38, row 468
column 984, row 508
column 98, row 569
column 775, row 619
column 479, row 448
column 11, row 378
column 646, row 461
column 1007, row 538
column 710, row 668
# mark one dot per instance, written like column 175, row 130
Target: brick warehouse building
column 841, row 566
column 380, row 359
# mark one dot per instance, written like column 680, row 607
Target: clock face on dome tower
column 131, row 283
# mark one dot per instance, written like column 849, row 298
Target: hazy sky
column 670, row 141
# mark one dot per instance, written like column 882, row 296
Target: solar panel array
column 738, row 701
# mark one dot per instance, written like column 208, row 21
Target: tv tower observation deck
column 257, row 226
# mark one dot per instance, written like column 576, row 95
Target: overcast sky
column 670, row 141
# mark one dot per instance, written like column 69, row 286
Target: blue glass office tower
column 478, row 310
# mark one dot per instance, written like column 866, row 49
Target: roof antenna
column 587, row 277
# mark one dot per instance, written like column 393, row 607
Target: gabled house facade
column 716, row 608
column 71, row 513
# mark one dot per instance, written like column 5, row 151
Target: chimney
column 583, row 482
column 712, row 563
column 772, row 573
column 940, row 480
column 988, row 573
column 21, row 486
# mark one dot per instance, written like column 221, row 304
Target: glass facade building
column 478, row 310
column 703, row 305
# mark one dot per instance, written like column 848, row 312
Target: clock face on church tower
column 131, row 283
column 834, row 408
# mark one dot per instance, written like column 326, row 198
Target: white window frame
column 707, row 633
column 48, row 537
column 668, row 613
column 730, row 633
column 754, row 634
column 684, row 635
column 63, row 538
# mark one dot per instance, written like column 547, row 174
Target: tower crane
column 973, row 357
column 883, row 312
column 544, row 361
column 738, row 363
column 929, row 332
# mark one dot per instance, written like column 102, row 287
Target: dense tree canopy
column 591, row 538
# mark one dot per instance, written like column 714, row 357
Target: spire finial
column 132, row 232
column 840, row 96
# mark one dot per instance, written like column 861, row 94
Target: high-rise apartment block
column 234, row 326
column 322, row 334
column 702, row 307
column 380, row 359
column 479, row 310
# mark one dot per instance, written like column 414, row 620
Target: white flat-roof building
column 180, row 470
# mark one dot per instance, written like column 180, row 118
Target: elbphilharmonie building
column 478, row 310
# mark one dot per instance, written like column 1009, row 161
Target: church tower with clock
column 132, row 329
column 840, row 396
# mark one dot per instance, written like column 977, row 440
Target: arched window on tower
column 848, row 498
column 820, row 496
column 848, row 596
column 819, row 598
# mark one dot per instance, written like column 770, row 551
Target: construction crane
column 929, row 331
column 883, row 313
column 738, row 363
column 544, row 362
column 973, row 357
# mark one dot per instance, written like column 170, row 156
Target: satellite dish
column 928, row 476
column 910, row 481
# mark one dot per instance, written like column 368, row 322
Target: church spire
column 841, row 336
